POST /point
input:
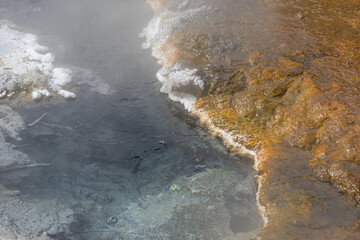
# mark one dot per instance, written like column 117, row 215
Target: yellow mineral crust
column 283, row 85
column 300, row 109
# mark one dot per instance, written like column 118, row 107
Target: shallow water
column 103, row 150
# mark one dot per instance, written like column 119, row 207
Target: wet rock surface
column 282, row 85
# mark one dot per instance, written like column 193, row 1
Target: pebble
column 112, row 219
column 163, row 142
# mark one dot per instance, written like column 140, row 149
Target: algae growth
column 282, row 84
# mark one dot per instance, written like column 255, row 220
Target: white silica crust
column 176, row 77
column 24, row 62
column 169, row 18
column 36, row 95
column 61, row 77
column 165, row 22
column 183, row 76
column 67, row 95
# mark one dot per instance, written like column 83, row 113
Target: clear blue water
column 104, row 151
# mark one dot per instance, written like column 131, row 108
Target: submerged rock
column 112, row 220
column 163, row 142
column 21, row 219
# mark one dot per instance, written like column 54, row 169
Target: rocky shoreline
column 281, row 83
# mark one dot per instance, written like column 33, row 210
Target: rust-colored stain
column 283, row 78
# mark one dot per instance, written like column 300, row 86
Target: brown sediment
column 283, row 85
